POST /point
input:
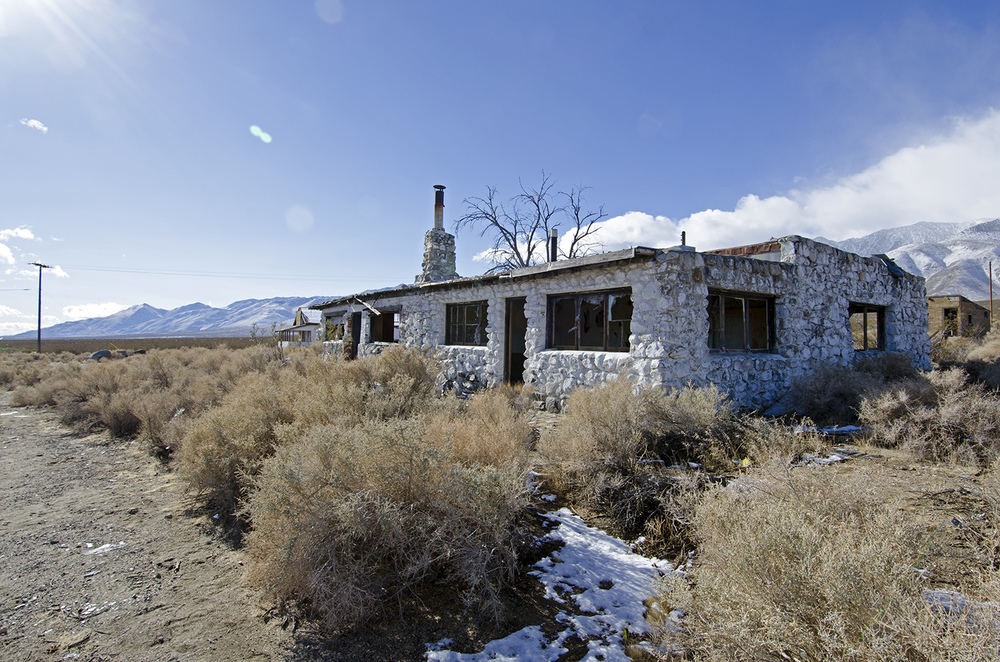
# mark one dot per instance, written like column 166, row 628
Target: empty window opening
column 466, row 323
column 740, row 322
column 385, row 327
column 592, row 321
column 867, row 326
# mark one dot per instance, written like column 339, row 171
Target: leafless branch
column 520, row 228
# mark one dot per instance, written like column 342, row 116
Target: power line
column 219, row 274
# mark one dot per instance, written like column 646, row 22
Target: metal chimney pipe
column 438, row 207
column 553, row 245
column 683, row 238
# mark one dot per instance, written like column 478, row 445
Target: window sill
column 717, row 355
column 624, row 353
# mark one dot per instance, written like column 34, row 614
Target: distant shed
column 954, row 315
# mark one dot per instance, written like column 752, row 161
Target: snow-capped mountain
column 883, row 241
column 953, row 257
column 196, row 319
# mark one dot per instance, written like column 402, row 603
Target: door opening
column 514, row 341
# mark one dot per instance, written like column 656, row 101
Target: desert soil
column 101, row 560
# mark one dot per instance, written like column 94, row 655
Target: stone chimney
column 439, row 246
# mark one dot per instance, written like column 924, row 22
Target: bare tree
column 520, row 226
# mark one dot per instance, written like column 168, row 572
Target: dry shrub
column 954, row 349
column 489, row 431
column 399, row 382
column 141, row 394
column 988, row 349
column 945, row 418
column 832, row 393
column 815, row 566
column 615, row 443
column 761, row 441
column 352, row 520
column 888, row 366
column 116, row 413
column 226, row 446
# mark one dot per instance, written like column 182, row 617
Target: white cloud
column 6, row 255
column 89, row 310
column 35, row 124
column 7, row 311
column 952, row 178
column 58, row 272
column 17, row 233
column 13, row 328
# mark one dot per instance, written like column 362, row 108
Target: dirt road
column 100, row 561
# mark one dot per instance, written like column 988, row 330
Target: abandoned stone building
column 748, row 319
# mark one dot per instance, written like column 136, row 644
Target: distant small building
column 300, row 334
column 954, row 315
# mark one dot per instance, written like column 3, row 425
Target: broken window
column 385, row 327
column 867, row 326
column 466, row 323
column 334, row 331
column 593, row 321
column 740, row 322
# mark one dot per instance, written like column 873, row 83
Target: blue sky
column 128, row 162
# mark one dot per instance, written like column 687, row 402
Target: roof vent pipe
column 684, row 241
column 438, row 207
column 553, row 245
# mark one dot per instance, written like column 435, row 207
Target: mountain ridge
column 238, row 319
column 954, row 258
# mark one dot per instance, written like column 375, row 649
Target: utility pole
column 991, row 295
column 40, row 267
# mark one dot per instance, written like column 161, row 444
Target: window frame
column 554, row 337
column 866, row 309
column 451, row 326
column 717, row 332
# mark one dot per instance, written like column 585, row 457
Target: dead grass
column 490, row 430
column 943, row 418
column 625, row 453
column 811, row 565
column 832, row 394
column 142, row 395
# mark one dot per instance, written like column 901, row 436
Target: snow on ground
column 602, row 582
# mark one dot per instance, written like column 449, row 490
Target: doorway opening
column 516, row 327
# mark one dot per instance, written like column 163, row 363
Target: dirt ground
column 101, row 561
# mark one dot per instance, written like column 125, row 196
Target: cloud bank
column 951, row 178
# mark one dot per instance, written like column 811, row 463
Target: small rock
column 71, row 640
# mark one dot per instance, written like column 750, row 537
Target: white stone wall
column 812, row 286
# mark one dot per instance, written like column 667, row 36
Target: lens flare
column 260, row 133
